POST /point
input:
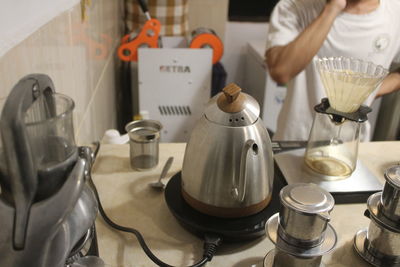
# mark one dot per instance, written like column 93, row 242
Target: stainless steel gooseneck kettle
column 228, row 163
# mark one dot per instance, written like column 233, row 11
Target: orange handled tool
column 148, row 37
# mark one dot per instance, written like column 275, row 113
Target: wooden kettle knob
column 231, row 92
column 231, row 100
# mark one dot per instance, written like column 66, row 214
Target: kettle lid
column 232, row 107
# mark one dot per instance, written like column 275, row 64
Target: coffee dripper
column 332, row 147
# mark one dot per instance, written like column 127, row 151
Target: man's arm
column 284, row 62
column 390, row 84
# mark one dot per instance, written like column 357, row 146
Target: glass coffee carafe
column 332, row 148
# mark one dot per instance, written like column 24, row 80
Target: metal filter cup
column 379, row 244
column 304, row 214
column 144, row 137
column 383, row 243
column 390, row 200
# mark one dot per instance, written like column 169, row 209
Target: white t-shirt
column 373, row 37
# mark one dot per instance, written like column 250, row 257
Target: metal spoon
column 159, row 184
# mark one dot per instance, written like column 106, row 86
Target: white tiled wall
column 81, row 60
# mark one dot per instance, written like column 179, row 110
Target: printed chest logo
column 381, row 42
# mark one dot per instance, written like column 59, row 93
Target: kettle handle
column 240, row 192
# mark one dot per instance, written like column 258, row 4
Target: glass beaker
column 50, row 130
column 144, row 137
column 332, row 147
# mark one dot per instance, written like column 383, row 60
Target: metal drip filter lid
column 232, row 108
column 392, row 176
column 308, row 198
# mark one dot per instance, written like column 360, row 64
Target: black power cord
column 211, row 242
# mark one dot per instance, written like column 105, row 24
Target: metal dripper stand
column 379, row 244
column 47, row 209
column 332, row 148
column 301, row 231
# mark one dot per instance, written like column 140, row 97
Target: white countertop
column 129, row 201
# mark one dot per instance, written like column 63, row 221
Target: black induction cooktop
column 230, row 229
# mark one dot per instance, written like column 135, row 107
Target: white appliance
column 174, row 87
column 260, row 85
